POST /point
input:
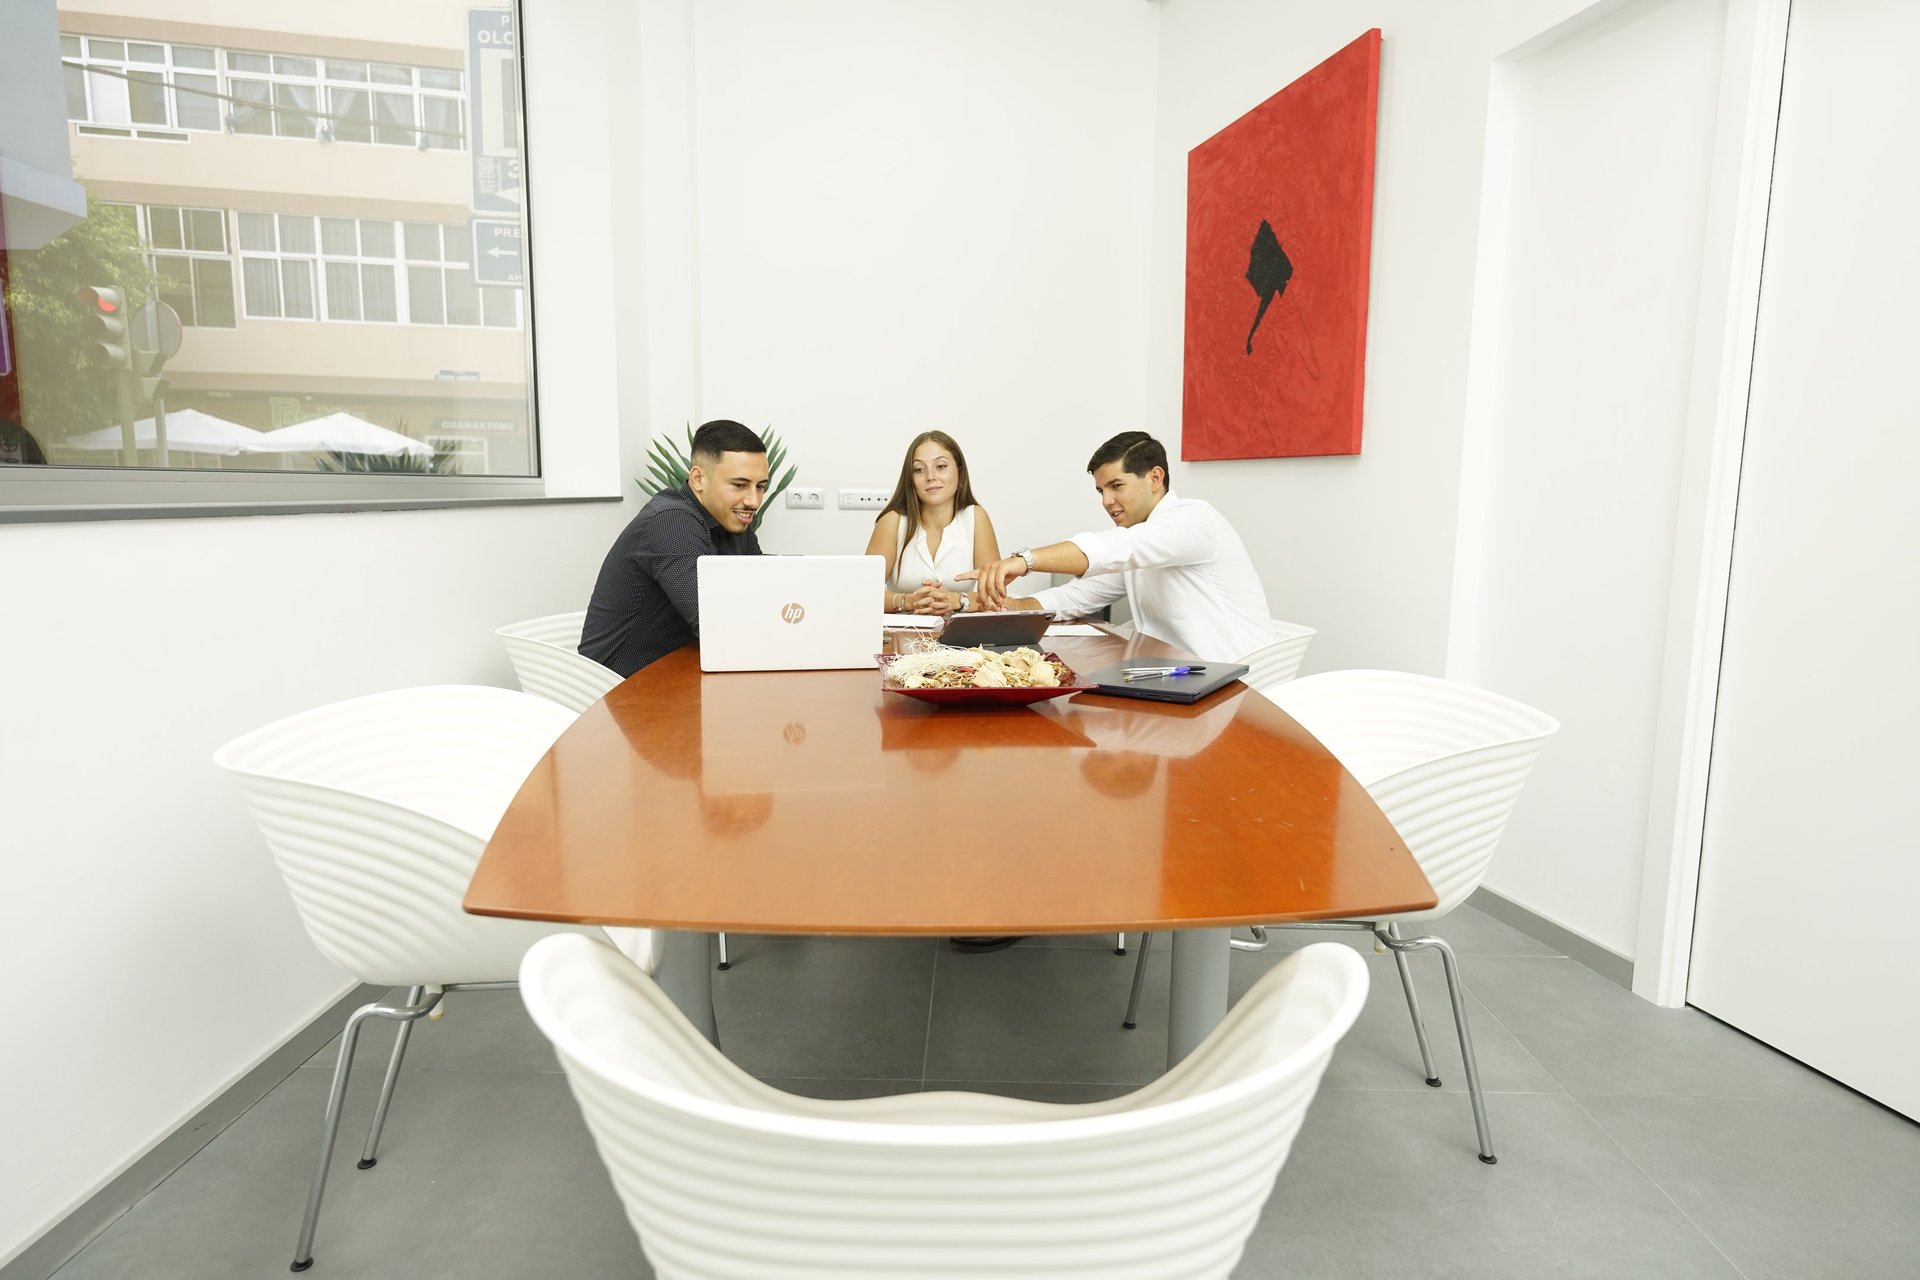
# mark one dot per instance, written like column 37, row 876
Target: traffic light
column 106, row 309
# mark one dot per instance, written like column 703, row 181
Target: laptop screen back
column 789, row 613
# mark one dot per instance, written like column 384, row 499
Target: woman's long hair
column 906, row 499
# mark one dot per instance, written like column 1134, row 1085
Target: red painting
column 1279, row 229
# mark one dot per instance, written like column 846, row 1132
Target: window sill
column 48, row 494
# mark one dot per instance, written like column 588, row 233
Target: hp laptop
column 1009, row 629
column 789, row 613
column 1200, row 679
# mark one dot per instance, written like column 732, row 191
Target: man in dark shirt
column 646, row 602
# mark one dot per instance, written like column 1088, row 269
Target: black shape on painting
column 1268, row 270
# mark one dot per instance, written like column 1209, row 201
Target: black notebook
column 1197, row 684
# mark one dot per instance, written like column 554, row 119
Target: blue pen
column 1157, row 673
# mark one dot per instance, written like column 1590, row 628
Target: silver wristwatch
column 963, row 603
column 1026, row 553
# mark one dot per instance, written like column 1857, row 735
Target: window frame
column 325, row 84
column 51, row 493
column 143, row 220
column 124, row 68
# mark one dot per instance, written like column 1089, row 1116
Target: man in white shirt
column 1180, row 566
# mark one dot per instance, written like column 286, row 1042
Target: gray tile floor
column 1634, row 1141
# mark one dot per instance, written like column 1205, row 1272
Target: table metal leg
column 1199, row 997
column 685, row 973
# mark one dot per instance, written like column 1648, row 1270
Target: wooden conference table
column 809, row 802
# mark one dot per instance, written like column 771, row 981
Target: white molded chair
column 547, row 660
column 1279, row 662
column 723, row 1176
column 376, row 810
column 1445, row 762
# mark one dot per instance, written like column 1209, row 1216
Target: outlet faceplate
column 806, row 499
column 864, row 499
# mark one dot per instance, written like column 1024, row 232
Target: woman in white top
column 932, row 530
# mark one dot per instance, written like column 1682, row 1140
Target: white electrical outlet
column 864, row 499
column 806, row 499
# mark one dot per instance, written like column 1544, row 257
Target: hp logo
column 792, row 613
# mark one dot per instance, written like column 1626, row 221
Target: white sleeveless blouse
column 914, row 566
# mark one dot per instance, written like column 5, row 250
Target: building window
column 139, row 83
column 440, row 288
column 188, row 249
column 467, row 455
column 277, row 261
column 366, row 270
column 343, row 100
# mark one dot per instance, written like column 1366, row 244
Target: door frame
column 1753, row 66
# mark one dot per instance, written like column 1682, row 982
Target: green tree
column 66, row 384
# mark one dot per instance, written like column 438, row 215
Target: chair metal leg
column 1413, row 1007
column 367, row 1157
column 725, row 963
column 1139, row 980
column 1259, row 942
column 1119, row 944
column 1457, row 995
column 330, row 1125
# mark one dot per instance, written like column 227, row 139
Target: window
column 311, row 280
column 138, row 83
column 440, row 287
column 466, row 454
column 370, row 271
column 188, row 251
column 345, row 100
column 277, row 265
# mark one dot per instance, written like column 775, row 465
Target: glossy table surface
column 812, row 802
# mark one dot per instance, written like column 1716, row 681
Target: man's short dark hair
column 1136, row 452
column 723, row 435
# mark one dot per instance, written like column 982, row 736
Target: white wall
column 1562, row 581
column 1359, row 547
column 921, row 216
column 152, row 953
column 1590, row 390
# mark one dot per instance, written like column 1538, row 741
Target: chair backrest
column 1444, row 761
column 546, row 658
column 724, row 1176
column 376, row 810
column 1278, row 662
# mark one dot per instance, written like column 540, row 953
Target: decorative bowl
column 987, row 697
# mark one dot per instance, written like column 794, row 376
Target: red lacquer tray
column 987, row 697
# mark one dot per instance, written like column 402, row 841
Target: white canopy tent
column 339, row 433
column 188, row 430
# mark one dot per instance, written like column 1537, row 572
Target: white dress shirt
column 1185, row 574
column 914, row 566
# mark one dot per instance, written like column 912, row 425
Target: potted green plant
column 668, row 463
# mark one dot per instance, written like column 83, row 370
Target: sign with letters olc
column 493, row 111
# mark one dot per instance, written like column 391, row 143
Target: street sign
column 499, row 252
column 493, row 110
column 156, row 330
